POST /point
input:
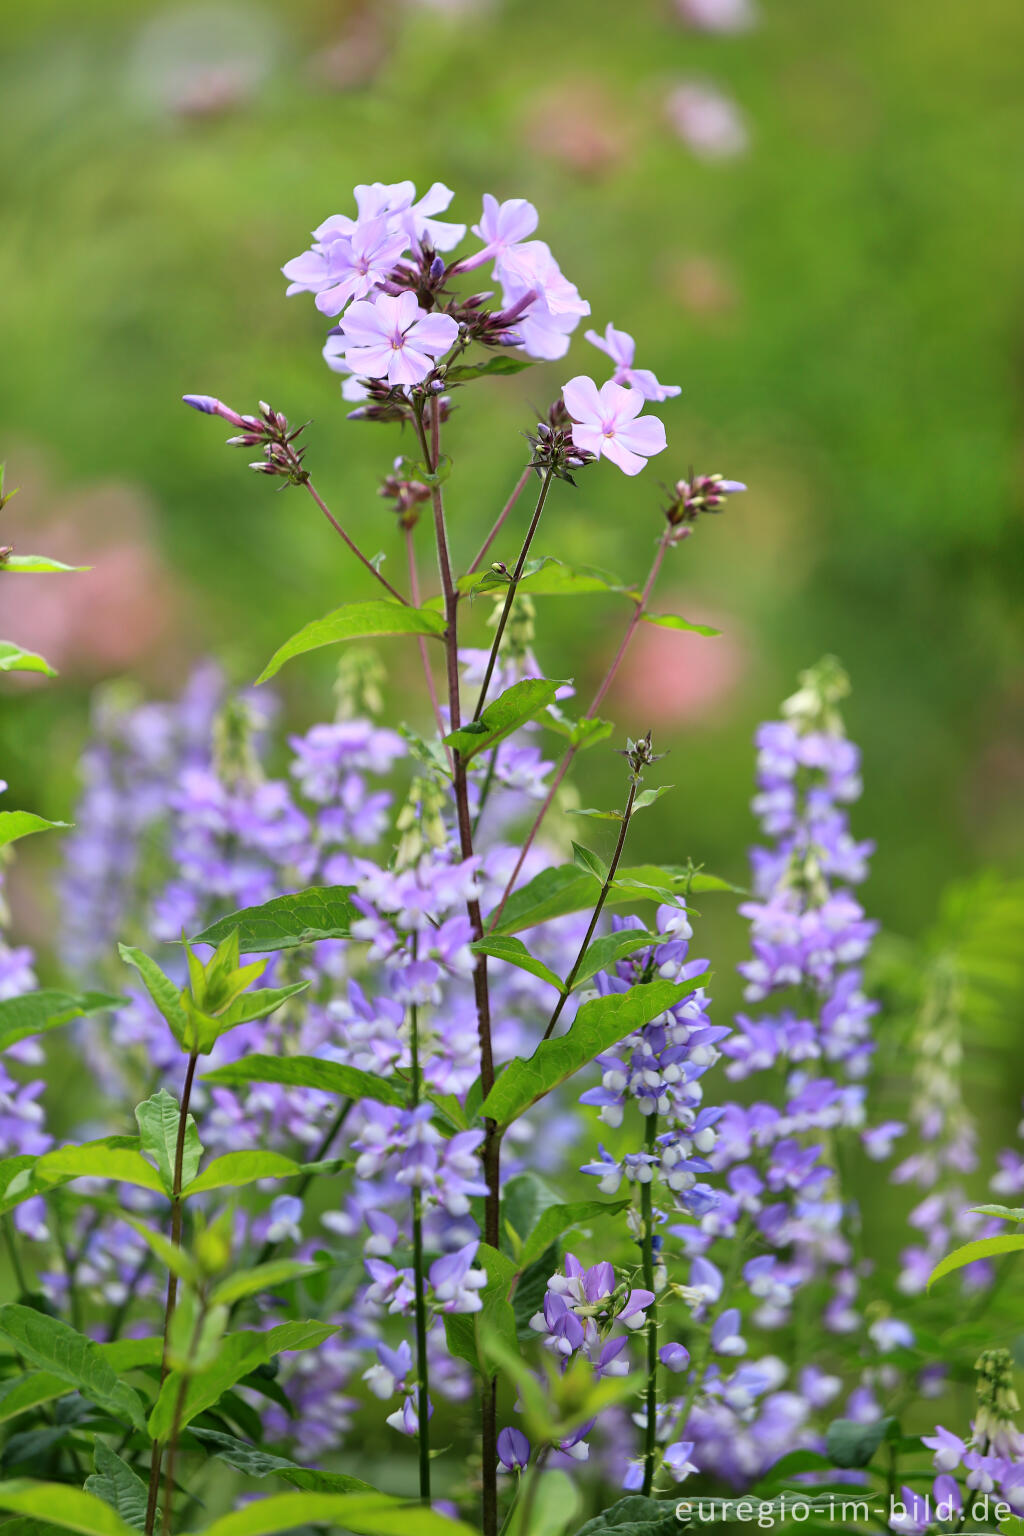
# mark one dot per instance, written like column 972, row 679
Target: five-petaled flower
column 621, row 348
column 394, row 338
column 607, row 421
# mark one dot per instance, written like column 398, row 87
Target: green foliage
column 237, row 1356
column 158, row 1119
column 14, row 658
column 309, row 1072
column 35, row 1012
column 604, row 952
column 321, row 912
column 257, row 1463
column 118, row 1485
column 16, row 824
column 111, row 1157
column 38, row 565
column 673, row 621
column 466, row 1332
column 514, row 952
column 501, row 365
column 233, row 1170
column 554, row 1506
column 29, row 1390
column 566, row 888
column 556, row 1220
column 59, row 1350
column 69, row 1508
column 635, row 1516
column 356, row 621
column 511, row 709
column 364, row 1514
column 970, row 1253
column 261, row 1278
column 598, row 1025
column 851, row 1443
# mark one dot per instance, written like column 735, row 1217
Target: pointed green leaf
column 496, row 1318
column 647, row 797
column 28, row 1391
column 117, row 1485
column 171, row 1256
column 970, row 1253
column 158, row 1120
column 1007, row 1213
column 356, row 621
column 111, row 1157
column 165, row 994
column 14, row 658
column 364, row 1514
column 59, row 1350
column 506, row 714
column 35, row 1012
column 501, row 364
column 587, row 860
column 515, row 952
column 581, row 734
column 38, row 565
column 558, row 1219
column 673, row 621
column 262, row 1277
column 236, row 1169
column 589, row 810
column 238, row 1356
column 549, row 577
column 57, row 1504
column 256, row 1463
column 16, row 824
column 309, row 1072
column 322, row 912
column 598, row 1026
column 566, row 888
column 604, row 952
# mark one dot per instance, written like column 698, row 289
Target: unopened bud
column 436, row 269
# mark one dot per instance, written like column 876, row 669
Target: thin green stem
column 419, row 1271
column 510, row 595
column 11, row 1244
column 647, row 1249
column 606, row 887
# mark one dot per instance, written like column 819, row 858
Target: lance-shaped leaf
column 257, row 1463
column 57, row 1504
column 112, row 1157
column 205, row 1029
column 511, row 709
column 29, row 1390
column 261, row 1278
column 496, row 1319
column 970, row 1253
column 118, row 1485
column 33, row 1013
column 559, row 1219
column 238, row 1355
column 604, row 952
column 59, row 1350
column 581, row 734
column 164, row 992
column 598, row 1026
column 309, row 1072
column 38, row 565
column 547, row 576
column 236, row 1169
column 158, row 1119
column 322, row 912
column 567, row 888
column 364, row 1514
column 15, row 658
column 674, row 621
column 16, row 824
column 356, row 621
column 499, row 365
column 1006, row 1212
column 514, row 952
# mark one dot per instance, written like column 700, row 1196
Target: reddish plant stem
column 500, row 520
column 595, row 704
column 510, row 596
column 325, row 509
column 414, row 588
column 492, row 1143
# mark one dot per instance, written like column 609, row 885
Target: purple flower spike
column 513, row 1450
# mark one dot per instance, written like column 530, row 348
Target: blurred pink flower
column 717, row 15
column 671, row 677
column 706, row 121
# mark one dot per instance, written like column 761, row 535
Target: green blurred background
column 837, row 289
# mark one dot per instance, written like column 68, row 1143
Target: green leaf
column 587, row 860
column 508, row 711
column 1006, row 1212
column 309, row 1072
column 496, row 1318
column 164, row 992
column 238, row 1356
column 322, row 912
column 566, row 888
column 557, row 1219
column 252, row 1005
column 970, row 1253
column 548, row 577
column 583, row 733
column 256, row 1463
column 38, row 565
column 14, row 658
column 59, row 1350
column 356, row 621
column 57, row 1504
column 112, row 1157
column 598, row 1025
column 515, row 952
column 117, row 1485
column 673, row 621
column 647, row 797
column 28, row 1391
column 554, row 1506
column 158, row 1120
column 16, row 824
column 35, row 1012
column 499, row 365
column 635, row 1516
column 173, row 1257
column 851, row 1443
column 604, row 952
column 590, row 810
column 235, row 1169
column 262, row 1277
column 364, row 1514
